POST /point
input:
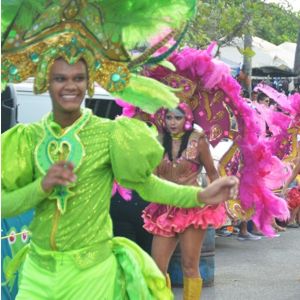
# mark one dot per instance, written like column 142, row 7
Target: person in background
column 127, row 219
column 293, row 195
column 186, row 151
column 254, row 95
column 263, row 99
column 245, row 94
column 244, row 234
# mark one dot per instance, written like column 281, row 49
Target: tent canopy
column 269, row 59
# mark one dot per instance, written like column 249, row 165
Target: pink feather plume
column 126, row 194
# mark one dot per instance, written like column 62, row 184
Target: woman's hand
column 220, row 190
column 60, row 173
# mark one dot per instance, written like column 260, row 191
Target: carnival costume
column 207, row 86
column 166, row 220
column 83, row 233
column 72, row 249
column 284, row 125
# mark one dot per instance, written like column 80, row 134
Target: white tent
column 286, row 51
column 267, row 56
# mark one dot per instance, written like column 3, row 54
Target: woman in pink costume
column 293, row 196
column 186, row 152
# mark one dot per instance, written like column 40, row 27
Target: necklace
column 177, row 136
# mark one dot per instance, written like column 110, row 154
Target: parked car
column 9, row 108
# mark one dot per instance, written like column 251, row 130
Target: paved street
column 268, row 269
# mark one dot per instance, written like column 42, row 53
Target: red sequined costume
column 293, row 197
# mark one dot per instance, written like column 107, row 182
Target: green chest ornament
column 57, row 147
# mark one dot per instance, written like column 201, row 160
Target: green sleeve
column 161, row 191
column 18, row 201
column 20, row 190
column 135, row 153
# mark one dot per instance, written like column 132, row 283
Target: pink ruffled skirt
column 167, row 221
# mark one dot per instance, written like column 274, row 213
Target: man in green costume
column 64, row 165
column 72, row 248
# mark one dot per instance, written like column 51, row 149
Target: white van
column 32, row 107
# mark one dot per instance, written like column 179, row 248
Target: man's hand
column 220, row 190
column 60, row 173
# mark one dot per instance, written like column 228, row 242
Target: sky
column 295, row 4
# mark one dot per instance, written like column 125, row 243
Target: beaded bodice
column 185, row 169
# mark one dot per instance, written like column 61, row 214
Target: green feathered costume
column 72, row 254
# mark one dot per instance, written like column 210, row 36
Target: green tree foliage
column 277, row 24
column 222, row 20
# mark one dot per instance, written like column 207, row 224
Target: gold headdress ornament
column 35, row 34
column 185, row 86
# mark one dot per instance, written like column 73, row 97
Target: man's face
column 67, row 86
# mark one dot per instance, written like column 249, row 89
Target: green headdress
column 35, row 33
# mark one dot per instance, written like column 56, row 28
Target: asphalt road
column 267, row 269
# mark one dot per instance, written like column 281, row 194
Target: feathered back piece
column 208, row 87
column 35, row 33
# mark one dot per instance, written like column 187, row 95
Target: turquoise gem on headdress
column 97, row 64
column 13, row 70
column 34, row 57
column 115, row 77
column 74, row 40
